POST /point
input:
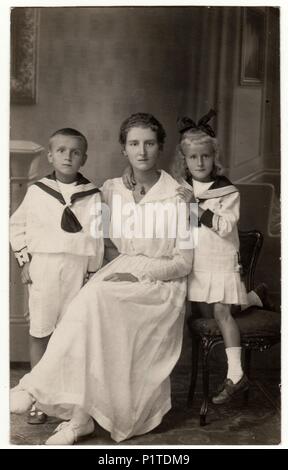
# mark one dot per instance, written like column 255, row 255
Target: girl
column 111, row 355
column 215, row 278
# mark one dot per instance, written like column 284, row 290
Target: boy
column 50, row 236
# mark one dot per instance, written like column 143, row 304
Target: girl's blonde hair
column 179, row 167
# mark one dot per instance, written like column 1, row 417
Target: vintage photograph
column 145, row 226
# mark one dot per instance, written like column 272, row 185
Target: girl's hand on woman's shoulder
column 118, row 277
column 186, row 194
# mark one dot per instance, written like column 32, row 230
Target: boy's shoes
column 68, row 432
column 20, row 400
column 262, row 291
column 228, row 390
column 36, row 416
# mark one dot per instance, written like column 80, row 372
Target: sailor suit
column 215, row 276
column 53, row 231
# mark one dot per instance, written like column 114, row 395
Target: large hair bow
column 185, row 123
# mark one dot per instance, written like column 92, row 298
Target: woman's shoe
column 20, row 401
column 68, row 432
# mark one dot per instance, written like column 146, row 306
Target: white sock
column 253, row 299
column 235, row 371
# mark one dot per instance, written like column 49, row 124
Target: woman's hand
column 186, row 194
column 25, row 274
column 117, row 277
column 128, row 178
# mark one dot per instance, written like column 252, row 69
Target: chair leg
column 205, row 377
column 194, row 371
column 247, row 367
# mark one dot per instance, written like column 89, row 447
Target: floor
column 257, row 423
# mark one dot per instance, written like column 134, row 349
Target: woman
column 111, row 356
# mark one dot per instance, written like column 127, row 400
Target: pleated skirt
column 216, row 278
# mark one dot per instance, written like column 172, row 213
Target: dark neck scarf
column 69, row 221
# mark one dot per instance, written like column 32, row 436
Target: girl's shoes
column 230, row 390
column 263, row 294
column 68, row 432
column 20, row 401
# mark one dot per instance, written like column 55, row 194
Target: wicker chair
column 259, row 328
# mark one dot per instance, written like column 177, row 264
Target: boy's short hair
column 70, row 132
column 145, row 120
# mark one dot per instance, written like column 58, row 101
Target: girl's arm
column 225, row 217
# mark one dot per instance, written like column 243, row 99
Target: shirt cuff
column 22, row 256
column 207, row 218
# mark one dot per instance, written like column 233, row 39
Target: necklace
column 143, row 190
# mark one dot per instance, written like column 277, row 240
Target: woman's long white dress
column 113, row 351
